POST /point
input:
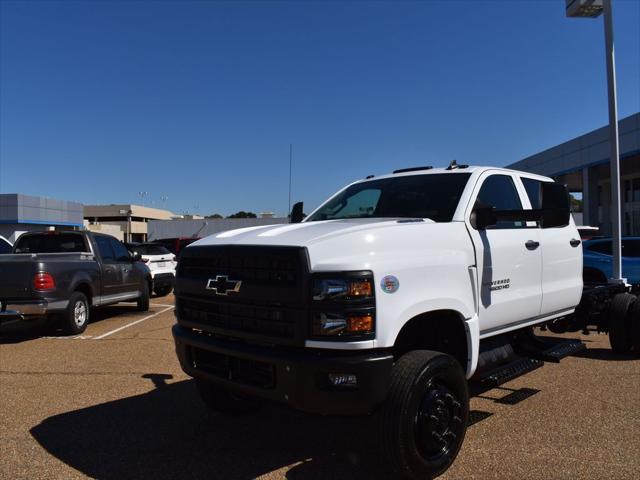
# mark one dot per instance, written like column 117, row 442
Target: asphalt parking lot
column 113, row 404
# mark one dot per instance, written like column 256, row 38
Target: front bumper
column 297, row 377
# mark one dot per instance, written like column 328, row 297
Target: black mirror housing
column 556, row 205
column 483, row 217
column 297, row 214
column 135, row 257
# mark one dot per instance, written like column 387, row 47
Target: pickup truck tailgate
column 16, row 276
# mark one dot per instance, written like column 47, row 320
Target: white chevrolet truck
column 390, row 299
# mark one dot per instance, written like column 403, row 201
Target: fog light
column 343, row 379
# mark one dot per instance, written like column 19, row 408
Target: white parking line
column 104, row 335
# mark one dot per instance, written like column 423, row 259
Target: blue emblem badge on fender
column 390, row 284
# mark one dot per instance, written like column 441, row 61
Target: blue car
column 596, row 255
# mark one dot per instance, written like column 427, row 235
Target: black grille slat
column 243, row 318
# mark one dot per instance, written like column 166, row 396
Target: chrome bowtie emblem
column 222, row 285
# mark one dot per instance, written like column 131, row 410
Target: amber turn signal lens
column 360, row 288
column 360, row 323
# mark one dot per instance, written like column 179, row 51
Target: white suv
column 162, row 264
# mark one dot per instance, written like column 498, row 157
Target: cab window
column 104, row 247
column 120, row 251
column 499, row 192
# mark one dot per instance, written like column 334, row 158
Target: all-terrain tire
column 424, row 418
column 619, row 325
column 226, row 402
column 76, row 317
column 143, row 299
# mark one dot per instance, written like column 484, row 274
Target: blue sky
column 198, row 101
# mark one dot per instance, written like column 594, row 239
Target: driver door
column 508, row 259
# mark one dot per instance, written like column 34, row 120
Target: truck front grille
column 270, row 303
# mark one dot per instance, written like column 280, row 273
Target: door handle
column 574, row 242
column 532, row 245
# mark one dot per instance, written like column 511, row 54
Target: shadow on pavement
column 168, row 433
column 24, row 330
column 18, row 331
column 604, row 354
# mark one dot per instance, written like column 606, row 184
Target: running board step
column 548, row 349
column 507, row 372
column 561, row 350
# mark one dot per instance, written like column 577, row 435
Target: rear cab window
column 51, row 243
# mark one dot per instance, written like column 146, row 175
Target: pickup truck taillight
column 43, row 281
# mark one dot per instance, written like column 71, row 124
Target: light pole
column 593, row 9
column 142, row 195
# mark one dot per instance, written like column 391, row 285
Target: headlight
column 339, row 324
column 343, row 306
column 342, row 288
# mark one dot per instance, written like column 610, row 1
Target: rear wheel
column 76, row 317
column 223, row 401
column 424, row 418
column 620, row 323
column 633, row 317
column 143, row 299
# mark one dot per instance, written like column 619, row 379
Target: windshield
column 434, row 196
column 50, row 243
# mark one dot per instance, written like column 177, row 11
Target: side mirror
column 483, row 217
column 556, row 205
column 296, row 213
column 135, row 257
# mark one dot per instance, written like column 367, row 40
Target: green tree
column 214, row 215
column 243, row 214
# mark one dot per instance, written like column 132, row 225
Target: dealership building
column 25, row 213
column 124, row 221
column 583, row 165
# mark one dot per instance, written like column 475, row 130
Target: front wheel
column 424, row 418
column 222, row 401
column 76, row 317
column 143, row 299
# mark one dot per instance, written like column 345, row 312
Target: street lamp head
column 584, row 8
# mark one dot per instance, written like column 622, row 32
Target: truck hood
column 358, row 244
column 307, row 233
